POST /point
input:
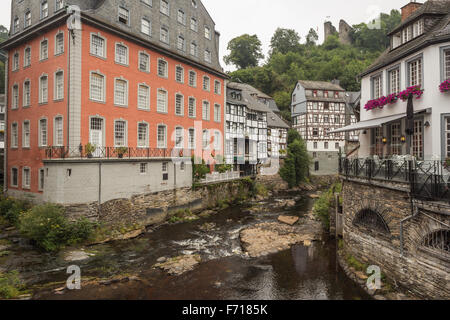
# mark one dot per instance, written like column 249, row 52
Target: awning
column 369, row 124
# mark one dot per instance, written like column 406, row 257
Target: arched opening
column 438, row 241
column 371, row 220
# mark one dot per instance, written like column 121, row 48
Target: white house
column 419, row 56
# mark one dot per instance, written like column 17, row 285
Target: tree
column 292, row 136
column 312, row 37
column 245, row 51
column 284, row 41
column 296, row 166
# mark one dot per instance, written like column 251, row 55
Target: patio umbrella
column 410, row 116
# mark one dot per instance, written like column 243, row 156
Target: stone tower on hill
column 344, row 31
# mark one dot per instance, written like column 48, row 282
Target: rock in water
column 290, row 220
column 179, row 265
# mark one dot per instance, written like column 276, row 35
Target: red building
column 83, row 90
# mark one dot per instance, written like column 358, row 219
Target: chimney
column 409, row 9
column 336, row 81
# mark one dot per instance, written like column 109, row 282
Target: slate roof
column 320, row 85
column 440, row 32
column 274, row 121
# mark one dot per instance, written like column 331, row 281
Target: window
column 194, row 51
column 394, row 81
column 143, row 135
column 192, row 78
column 26, row 134
column 165, row 170
column 207, row 33
column 377, row 89
column 181, row 43
column 415, row 73
column 446, row 64
column 205, row 83
column 447, row 137
column 165, row 7
column 164, row 35
column 59, row 4
column 143, row 97
column 208, row 56
column 44, row 9
column 179, row 74
column 120, row 133
column 121, row 92
column 15, row 97
column 325, row 145
column 44, row 50
column 179, row 105
column 205, row 111
column 98, row 46
column 26, row 178
column 124, row 15
column 217, row 113
column 26, row 93
column 14, row 135
column 194, row 25
column 337, row 119
column 315, row 132
column 194, row 3
column 217, row 86
column 59, row 43
column 27, row 19
column 181, row 17
column 43, row 137
column 144, row 62
column 58, row 139
column 191, row 142
column 162, row 68
column 192, row 107
column 143, row 168
column 97, row 92
column 162, row 136
column 217, row 140
column 121, row 54
column 146, row 26
column 205, row 139
column 336, row 145
column 41, row 179
column 396, row 145
column 15, row 64
column 162, row 101
column 59, row 85
column 27, row 57
column 14, row 177
column 418, row 139
column 43, row 89
column 179, row 139
column 182, row 166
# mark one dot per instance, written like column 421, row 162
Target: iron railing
column 54, row 153
column 428, row 180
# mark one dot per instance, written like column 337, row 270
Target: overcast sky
column 263, row 17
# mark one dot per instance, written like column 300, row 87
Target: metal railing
column 55, row 153
column 428, row 180
column 220, row 177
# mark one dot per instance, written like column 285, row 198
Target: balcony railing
column 54, row 153
column 427, row 180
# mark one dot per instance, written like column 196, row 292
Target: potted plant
column 89, row 149
column 121, row 151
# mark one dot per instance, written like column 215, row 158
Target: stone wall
column 422, row 272
column 154, row 208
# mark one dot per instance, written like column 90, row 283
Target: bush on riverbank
column 323, row 205
column 11, row 209
column 296, row 166
column 10, row 285
column 48, row 228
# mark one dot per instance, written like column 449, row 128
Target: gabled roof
column 250, row 89
column 439, row 32
column 320, row 85
column 274, row 121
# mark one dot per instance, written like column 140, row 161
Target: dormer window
column 44, row 9
column 124, row 15
column 408, row 33
column 27, row 19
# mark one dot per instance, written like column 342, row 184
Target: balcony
column 426, row 180
column 111, row 153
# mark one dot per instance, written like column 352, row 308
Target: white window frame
column 166, row 32
column 143, row 27
column 147, row 104
column 166, row 70
column 147, row 135
column 14, row 135
column 192, row 115
column 95, row 54
column 15, row 185
column 103, row 91
column 44, row 10
column 41, row 181
column 26, row 185
column 15, row 97
column 26, row 62
column 16, row 63
column 179, row 94
column 125, row 102
column 206, row 117
column 59, row 33
column 419, row 72
column 27, row 22
column 58, row 137
column 127, row 54
column 191, row 142
column 143, row 168
column 208, row 84
column 179, row 145
column 179, row 67
column 140, row 54
column 217, row 116
column 193, row 49
column 164, row 145
column 164, row 7
column 125, row 133
column 56, row 97
column 41, row 55
column 193, row 85
column 166, row 98
column 41, row 142
column 43, row 97
column 26, row 139
column 127, row 15
column 217, row 87
column 194, row 24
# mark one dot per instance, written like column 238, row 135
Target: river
column 225, row 272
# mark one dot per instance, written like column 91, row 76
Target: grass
column 10, row 285
column 355, row 264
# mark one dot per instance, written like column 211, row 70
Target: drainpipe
column 5, row 136
column 415, row 212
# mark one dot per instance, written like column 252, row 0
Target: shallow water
column 225, row 273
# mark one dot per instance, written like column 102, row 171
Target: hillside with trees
column 290, row 60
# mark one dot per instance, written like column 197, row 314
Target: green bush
column 50, row 230
column 11, row 209
column 199, row 171
column 296, row 166
column 10, row 285
column 323, row 204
